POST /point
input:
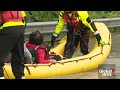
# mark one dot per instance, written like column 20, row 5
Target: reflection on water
column 114, row 58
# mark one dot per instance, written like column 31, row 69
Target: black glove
column 57, row 58
column 100, row 41
column 53, row 38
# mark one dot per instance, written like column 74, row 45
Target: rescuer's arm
column 58, row 29
column 96, row 33
column 86, row 20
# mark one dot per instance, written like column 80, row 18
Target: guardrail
column 47, row 28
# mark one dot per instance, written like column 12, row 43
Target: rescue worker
column 39, row 51
column 27, row 54
column 12, row 40
column 79, row 25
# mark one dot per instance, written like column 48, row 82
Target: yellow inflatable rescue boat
column 69, row 66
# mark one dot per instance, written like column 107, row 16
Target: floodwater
column 114, row 58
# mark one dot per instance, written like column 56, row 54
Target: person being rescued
column 40, row 52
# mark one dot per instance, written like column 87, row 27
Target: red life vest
column 14, row 16
column 33, row 50
column 72, row 20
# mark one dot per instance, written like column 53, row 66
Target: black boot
column 85, row 53
column 70, row 52
column 67, row 55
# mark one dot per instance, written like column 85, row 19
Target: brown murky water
column 114, row 58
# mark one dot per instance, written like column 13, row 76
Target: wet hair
column 36, row 38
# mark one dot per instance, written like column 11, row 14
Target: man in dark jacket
column 12, row 40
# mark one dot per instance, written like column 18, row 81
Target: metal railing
column 47, row 28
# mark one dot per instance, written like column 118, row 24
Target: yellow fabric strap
column 7, row 24
column 23, row 13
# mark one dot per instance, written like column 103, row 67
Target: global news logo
column 107, row 72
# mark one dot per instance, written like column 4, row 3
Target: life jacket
column 72, row 20
column 13, row 16
column 34, row 53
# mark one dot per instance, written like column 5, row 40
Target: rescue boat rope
column 82, row 58
column 89, row 57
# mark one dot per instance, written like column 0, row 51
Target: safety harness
column 75, row 23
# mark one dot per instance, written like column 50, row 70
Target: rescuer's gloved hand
column 98, row 37
column 53, row 38
column 102, row 42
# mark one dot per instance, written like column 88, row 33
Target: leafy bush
column 41, row 16
column 105, row 14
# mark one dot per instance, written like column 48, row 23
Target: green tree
column 42, row 16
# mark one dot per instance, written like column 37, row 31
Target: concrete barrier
column 47, row 28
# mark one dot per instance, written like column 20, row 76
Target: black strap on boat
column 28, row 69
column 34, row 65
